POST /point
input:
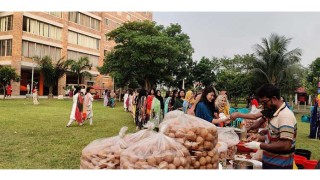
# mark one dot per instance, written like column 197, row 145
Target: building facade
column 67, row 35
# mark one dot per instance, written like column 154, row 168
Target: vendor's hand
column 253, row 137
column 252, row 145
column 234, row 116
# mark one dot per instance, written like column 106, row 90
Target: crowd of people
column 277, row 140
column 152, row 106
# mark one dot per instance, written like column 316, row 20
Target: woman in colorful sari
column 129, row 100
column 167, row 106
column 134, row 103
column 77, row 107
column 149, row 103
column 87, row 105
column 141, row 109
column 157, row 109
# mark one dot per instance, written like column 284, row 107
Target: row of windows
column 41, row 28
column 56, row 13
column 83, row 40
column 6, row 23
column 76, row 55
column 84, row 20
column 6, row 47
column 30, row 49
column 112, row 23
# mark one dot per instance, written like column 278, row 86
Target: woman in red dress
column 9, row 90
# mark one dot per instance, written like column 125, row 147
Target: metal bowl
column 239, row 164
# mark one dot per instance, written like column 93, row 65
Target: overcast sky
column 221, row 34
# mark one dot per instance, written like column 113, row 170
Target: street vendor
column 279, row 144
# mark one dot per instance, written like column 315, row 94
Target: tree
column 234, row 76
column 273, row 58
column 7, row 74
column 51, row 72
column 79, row 67
column 148, row 54
column 204, row 71
column 294, row 78
column 313, row 77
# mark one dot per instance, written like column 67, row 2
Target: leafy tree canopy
column 148, row 54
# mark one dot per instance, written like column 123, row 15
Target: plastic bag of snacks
column 172, row 114
column 156, row 152
column 135, row 137
column 104, row 153
column 204, row 159
column 222, row 149
column 198, row 136
column 228, row 136
column 193, row 132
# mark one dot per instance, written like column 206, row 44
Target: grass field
column 36, row 137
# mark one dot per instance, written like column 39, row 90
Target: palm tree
column 273, row 58
column 51, row 72
column 79, row 67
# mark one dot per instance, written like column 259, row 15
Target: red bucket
column 300, row 159
column 310, row 164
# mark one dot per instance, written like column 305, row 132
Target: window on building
column 6, row 47
column 77, row 55
column 73, row 17
column 128, row 17
column 84, row 20
column 9, row 48
column 107, row 22
column 31, row 49
column 95, row 24
column 41, row 28
column 106, row 51
column 83, row 40
column 6, row 23
column 56, row 13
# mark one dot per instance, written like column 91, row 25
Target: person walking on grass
column 112, row 99
column 125, row 97
column 35, row 99
column 87, row 105
column 105, row 98
column 9, row 90
column 77, row 107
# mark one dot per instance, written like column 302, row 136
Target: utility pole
column 32, row 73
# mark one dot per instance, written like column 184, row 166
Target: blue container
column 305, row 118
column 232, row 110
column 243, row 110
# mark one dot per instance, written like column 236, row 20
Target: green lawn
column 36, row 137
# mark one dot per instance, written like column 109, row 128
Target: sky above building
column 219, row 34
